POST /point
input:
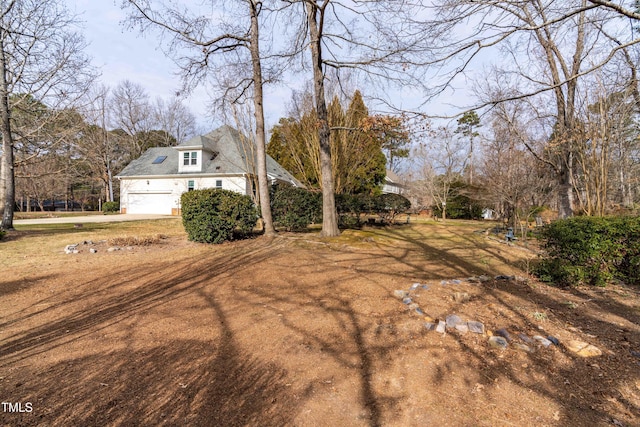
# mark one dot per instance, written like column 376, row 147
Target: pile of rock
column 500, row 338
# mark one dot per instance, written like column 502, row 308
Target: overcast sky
column 120, row 54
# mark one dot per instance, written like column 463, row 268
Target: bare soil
column 302, row 331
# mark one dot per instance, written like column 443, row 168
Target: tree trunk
column 329, row 214
column 263, row 184
column 565, row 191
column 8, row 177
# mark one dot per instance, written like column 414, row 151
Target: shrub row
column 593, row 251
column 296, row 208
column 213, row 215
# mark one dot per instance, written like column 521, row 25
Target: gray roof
column 225, row 152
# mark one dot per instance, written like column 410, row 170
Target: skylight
column 159, row 160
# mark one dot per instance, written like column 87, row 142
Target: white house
column 153, row 183
column 393, row 184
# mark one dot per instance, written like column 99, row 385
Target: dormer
column 190, row 156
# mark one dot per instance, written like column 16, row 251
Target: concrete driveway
column 90, row 218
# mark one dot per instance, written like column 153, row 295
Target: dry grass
column 136, row 240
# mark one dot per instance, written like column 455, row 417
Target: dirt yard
column 302, row 331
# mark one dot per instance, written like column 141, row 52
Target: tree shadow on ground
column 192, row 382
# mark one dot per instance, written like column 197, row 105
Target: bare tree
column 132, row 112
column 374, row 41
column 40, row 57
column 552, row 46
column 175, row 119
column 218, row 51
column 439, row 163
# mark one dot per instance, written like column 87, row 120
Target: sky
column 122, row 54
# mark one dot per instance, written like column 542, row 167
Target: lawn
column 300, row 330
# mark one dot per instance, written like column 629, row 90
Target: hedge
column 212, row 215
column 296, row 208
column 591, row 251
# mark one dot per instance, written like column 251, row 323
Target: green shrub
column 108, row 207
column 212, row 215
column 388, row 206
column 593, row 251
column 351, row 208
column 2, row 233
column 295, row 208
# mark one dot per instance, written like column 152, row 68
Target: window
column 159, row 160
column 190, row 158
column 218, row 183
column 191, row 185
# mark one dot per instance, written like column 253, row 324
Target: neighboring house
column 488, row 213
column 153, row 183
column 393, row 184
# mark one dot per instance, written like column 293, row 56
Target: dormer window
column 190, row 158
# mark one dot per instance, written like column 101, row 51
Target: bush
column 388, row 206
column 295, row 208
column 109, row 207
column 2, row 233
column 212, row 215
column 592, row 251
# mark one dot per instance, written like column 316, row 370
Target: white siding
column 161, row 195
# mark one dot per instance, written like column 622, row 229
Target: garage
column 150, row 203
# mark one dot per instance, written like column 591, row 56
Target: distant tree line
column 68, row 159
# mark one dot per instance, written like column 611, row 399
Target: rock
column 484, row 278
column 498, row 342
column 583, row 349
column 414, row 286
column 542, row 340
column 503, row 333
column 475, row 327
column 429, row 326
column 461, row 297
column 113, row 249
column 93, row 250
column 473, row 280
column 398, row 293
column 462, row 327
column 71, row 249
column 456, row 282
column 526, row 339
column 441, row 327
column 635, row 353
column 523, row 347
column 407, row 300
column 413, row 306
column 503, row 277
column 87, row 242
column 419, row 311
column 452, row 320
column 444, row 282
column 554, row 340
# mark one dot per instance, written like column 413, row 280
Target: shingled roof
column 224, row 152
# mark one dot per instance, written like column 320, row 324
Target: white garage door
column 155, row 203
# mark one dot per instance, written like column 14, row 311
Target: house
column 153, row 183
column 393, row 184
